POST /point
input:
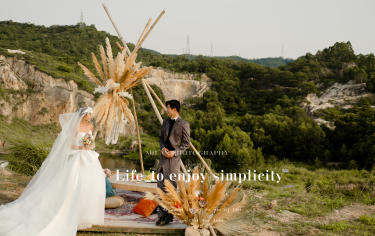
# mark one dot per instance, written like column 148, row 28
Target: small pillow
column 145, row 207
column 109, row 192
column 114, row 202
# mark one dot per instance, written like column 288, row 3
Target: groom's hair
column 173, row 104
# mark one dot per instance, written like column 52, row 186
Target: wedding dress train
column 67, row 193
column 88, row 196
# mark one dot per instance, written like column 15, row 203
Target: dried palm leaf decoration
column 198, row 204
column 116, row 76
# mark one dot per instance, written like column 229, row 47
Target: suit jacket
column 180, row 140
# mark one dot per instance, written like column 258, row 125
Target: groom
column 174, row 139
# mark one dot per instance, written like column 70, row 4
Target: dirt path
column 350, row 212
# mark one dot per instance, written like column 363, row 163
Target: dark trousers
column 162, row 212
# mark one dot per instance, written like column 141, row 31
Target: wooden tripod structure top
column 147, row 89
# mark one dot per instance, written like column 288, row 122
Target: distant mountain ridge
column 268, row 61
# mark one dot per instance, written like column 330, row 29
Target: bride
column 67, row 192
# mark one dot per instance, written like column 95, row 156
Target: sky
column 246, row 28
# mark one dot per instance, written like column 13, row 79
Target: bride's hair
column 84, row 110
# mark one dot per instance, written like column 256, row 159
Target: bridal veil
column 45, row 194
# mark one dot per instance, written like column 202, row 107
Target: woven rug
column 125, row 213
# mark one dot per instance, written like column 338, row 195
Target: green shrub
column 368, row 220
column 336, row 226
column 26, row 157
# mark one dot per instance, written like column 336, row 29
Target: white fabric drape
column 53, row 186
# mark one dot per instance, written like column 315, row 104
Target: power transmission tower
column 81, row 23
column 212, row 50
column 188, row 45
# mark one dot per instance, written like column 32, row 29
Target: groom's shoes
column 165, row 219
column 170, row 219
column 161, row 221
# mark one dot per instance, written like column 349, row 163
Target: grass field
column 320, row 202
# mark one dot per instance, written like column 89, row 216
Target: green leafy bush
column 26, row 157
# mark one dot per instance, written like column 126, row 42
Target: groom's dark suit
column 177, row 139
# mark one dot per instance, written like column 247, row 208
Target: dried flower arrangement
column 197, row 205
column 117, row 76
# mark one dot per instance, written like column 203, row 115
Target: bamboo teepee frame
column 148, row 88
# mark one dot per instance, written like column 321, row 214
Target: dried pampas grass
column 116, row 76
column 198, row 205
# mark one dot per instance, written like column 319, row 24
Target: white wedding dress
column 67, row 193
column 88, row 197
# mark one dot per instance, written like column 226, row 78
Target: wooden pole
column 157, row 97
column 118, row 32
column 212, row 231
column 191, row 145
column 144, row 31
column 138, row 134
column 159, row 117
column 144, row 36
column 152, row 102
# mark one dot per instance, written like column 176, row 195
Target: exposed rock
column 16, row 51
column 337, row 95
column 343, row 95
column 35, row 96
column 350, row 212
column 9, row 80
column 39, row 98
column 285, row 216
column 321, row 121
column 179, row 86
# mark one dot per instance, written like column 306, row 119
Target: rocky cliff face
column 39, row 98
column 342, row 95
column 179, row 86
column 337, row 95
column 35, row 96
